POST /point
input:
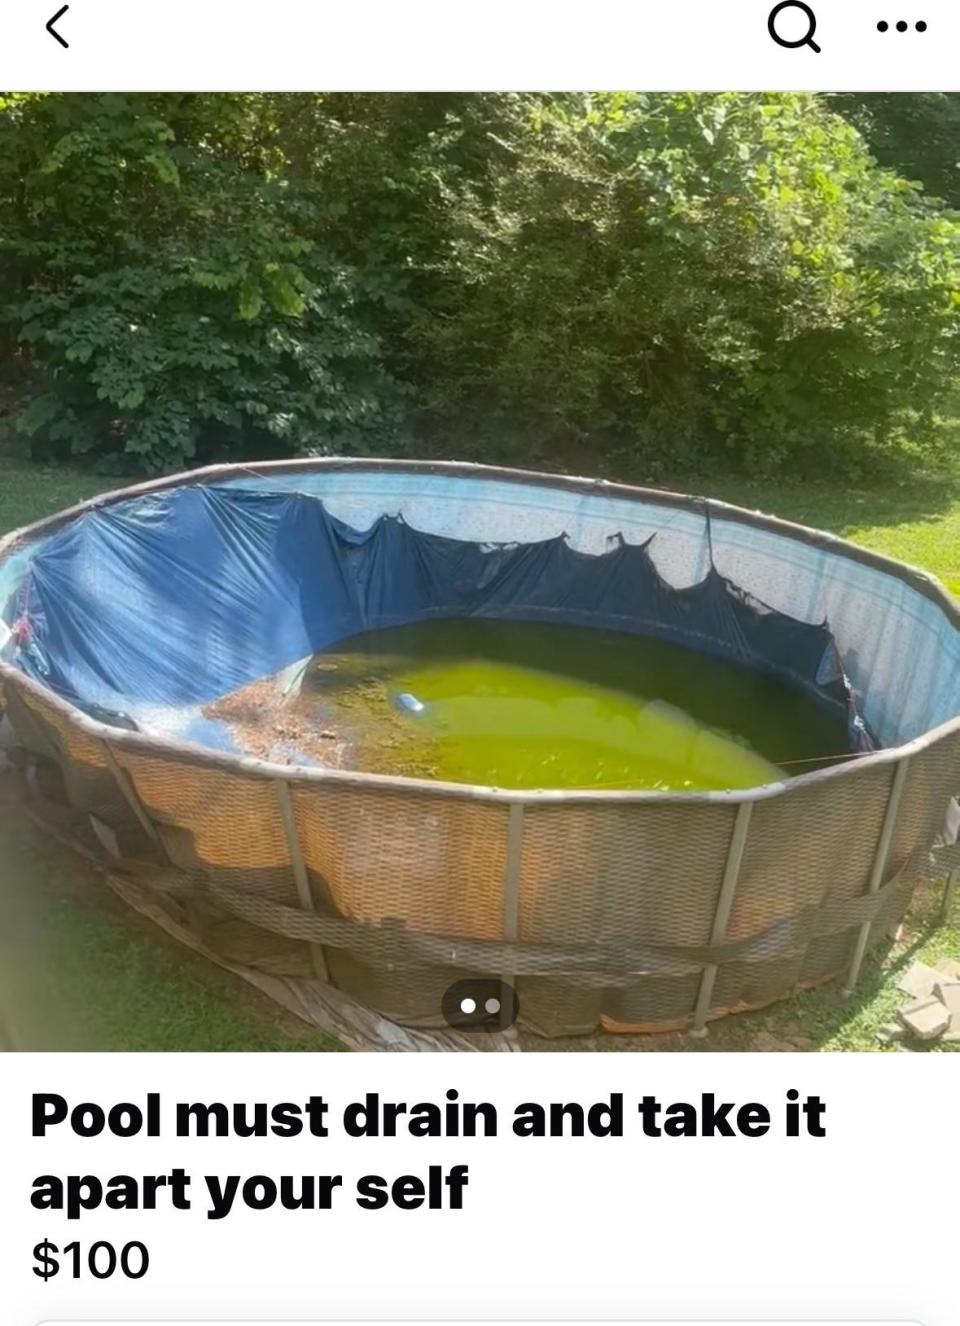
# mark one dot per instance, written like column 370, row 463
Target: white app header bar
column 883, row 45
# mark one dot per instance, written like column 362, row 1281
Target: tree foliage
column 701, row 276
column 712, row 280
column 176, row 288
column 917, row 134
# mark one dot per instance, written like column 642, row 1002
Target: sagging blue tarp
column 177, row 598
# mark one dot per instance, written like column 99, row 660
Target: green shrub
column 647, row 282
column 696, row 279
column 179, row 301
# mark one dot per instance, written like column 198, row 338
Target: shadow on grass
column 81, row 972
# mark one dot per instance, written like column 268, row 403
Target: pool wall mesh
column 627, row 911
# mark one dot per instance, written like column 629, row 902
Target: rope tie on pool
column 607, row 962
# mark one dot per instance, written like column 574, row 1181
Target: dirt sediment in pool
column 524, row 705
column 336, row 712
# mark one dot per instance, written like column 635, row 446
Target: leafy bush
column 914, row 133
column 725, row 281
column 181, row 303
column 700, row 279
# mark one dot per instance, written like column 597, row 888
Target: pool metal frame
column 115, row 742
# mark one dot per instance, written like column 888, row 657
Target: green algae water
column 524, row 705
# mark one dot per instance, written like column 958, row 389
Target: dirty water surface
column 526, row 705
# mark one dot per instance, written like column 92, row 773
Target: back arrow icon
column 50, row 26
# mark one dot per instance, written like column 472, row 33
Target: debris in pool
column 529, row 705
column 331, row 710
column 271, row 721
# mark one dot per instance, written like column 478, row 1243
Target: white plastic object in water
column 410, row 703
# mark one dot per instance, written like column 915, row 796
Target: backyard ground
column 80, row 972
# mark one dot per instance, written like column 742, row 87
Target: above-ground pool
column 751, row 859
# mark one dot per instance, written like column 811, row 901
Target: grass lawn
column 82, row 973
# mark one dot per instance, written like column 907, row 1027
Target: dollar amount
column 101, row 1260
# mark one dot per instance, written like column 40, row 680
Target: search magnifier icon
column 786, row 38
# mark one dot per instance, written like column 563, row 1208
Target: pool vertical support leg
column 877, row 872
column 300, row 877
column 125, row 784
column 949, row 888
column 721, row 917
column 511, row 893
